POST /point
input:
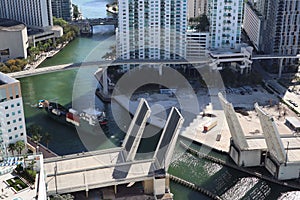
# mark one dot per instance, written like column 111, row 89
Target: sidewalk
column 47, row 153
column 43, row 56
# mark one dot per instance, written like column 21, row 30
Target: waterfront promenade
column 47, row 153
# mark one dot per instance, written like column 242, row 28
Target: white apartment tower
column 152, row 29
column 33, row 13
column 225, row 19
column 196, row 8
column 12, row 121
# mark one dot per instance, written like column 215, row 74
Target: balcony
column 227, row 1
column 227, row 8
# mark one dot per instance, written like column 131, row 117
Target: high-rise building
column 197, row 44
column 252, row 24
column 62, row 9
column 33, row 13
column 225, row 19
column 152, row 29
column 12, row 121
column 281, row 27
column 196, row 8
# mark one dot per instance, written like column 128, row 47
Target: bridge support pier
column 115, row 189
column 160, row 69
column 242, row 71
column 104, row 80
column 280, row 67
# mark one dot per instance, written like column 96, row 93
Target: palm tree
column 12, row 148
column 46, row 138
column 36, row 138
column 34, row 129
column 20, row 146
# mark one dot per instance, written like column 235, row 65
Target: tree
column 21, row 63
column 191, row 19
column 59, row 22
column 36, row 138
column 15, row 68
column 20, row 146
column 40, row 46
column 203, row 23
column 12, row 148
column 34, row 129
column 46, row 138
column 46, row 46
column 76, row 11
column 35, row 132
column 10, row 62
column 5, row 69
column 63, row 197
column 33, row 51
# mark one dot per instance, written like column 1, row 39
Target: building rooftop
column 294, row 121
column 2, row 83
column 11, row 25
column 5, row 79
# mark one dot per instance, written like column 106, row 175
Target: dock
column 194, row 187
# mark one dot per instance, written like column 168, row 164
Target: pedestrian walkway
column 47, row 153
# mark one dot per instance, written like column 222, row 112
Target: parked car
column 296, row 105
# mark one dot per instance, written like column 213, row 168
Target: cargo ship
column 71, row 116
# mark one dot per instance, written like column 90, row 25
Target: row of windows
column 12, row 106
column 14, row 113
column 14, row 121
column 15, row 128
column 16, row 136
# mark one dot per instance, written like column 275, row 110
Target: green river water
column 59, row 86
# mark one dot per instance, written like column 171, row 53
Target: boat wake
column 240, row 188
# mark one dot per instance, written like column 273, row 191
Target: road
column 282, row 92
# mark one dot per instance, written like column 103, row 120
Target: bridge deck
column 105, row 63
column 93, row 171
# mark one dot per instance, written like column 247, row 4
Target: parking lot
column 246, row 96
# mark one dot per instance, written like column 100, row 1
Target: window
column 22, row 134
column 12, row 105
column 10, row 138
column 18, row 104
column 8, row 123
column 19, row 111
column 20, row 119
column 15, row 128
column 21, row 127
column 6, row 107
column 14, row 121
column 13, row 113
column 9, row 130
column 16, row 136
column 7, row 115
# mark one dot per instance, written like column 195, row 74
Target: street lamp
column 37, row 149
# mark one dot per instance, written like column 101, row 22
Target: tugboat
column 89, row 116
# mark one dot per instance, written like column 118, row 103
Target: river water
column 59, row 86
